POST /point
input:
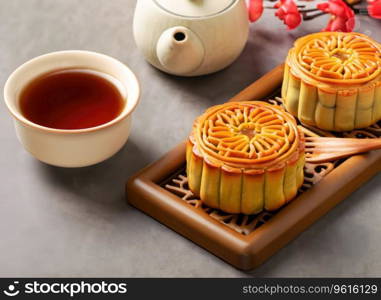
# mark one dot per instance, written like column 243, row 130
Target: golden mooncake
column 332, row 80
column 245, row 157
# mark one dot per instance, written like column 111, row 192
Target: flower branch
column 342, row 12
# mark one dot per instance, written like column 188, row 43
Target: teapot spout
column 180, row 51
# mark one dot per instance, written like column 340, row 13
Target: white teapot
column 191, row 37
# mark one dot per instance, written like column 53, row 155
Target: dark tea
column 71, row 99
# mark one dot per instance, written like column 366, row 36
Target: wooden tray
column 160, row 190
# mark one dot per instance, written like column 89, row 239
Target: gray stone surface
column 60, row 222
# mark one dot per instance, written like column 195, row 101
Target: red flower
column 255, row 10
column 374, row 8
column 343, row 18
column 289, row 13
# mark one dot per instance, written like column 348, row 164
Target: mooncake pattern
column 332, row 81
column 244, row 157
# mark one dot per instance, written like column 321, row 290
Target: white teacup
column 72, row 148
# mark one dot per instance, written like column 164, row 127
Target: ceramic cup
column 72, row 148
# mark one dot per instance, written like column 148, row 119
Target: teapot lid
column 195, row 8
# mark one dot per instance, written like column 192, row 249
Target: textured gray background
column 60, row 222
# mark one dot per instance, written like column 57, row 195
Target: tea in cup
column 72, row 108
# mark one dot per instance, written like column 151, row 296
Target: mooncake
column 332, row 80
column 245, row 157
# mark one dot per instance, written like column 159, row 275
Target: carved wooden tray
column 161, row 191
